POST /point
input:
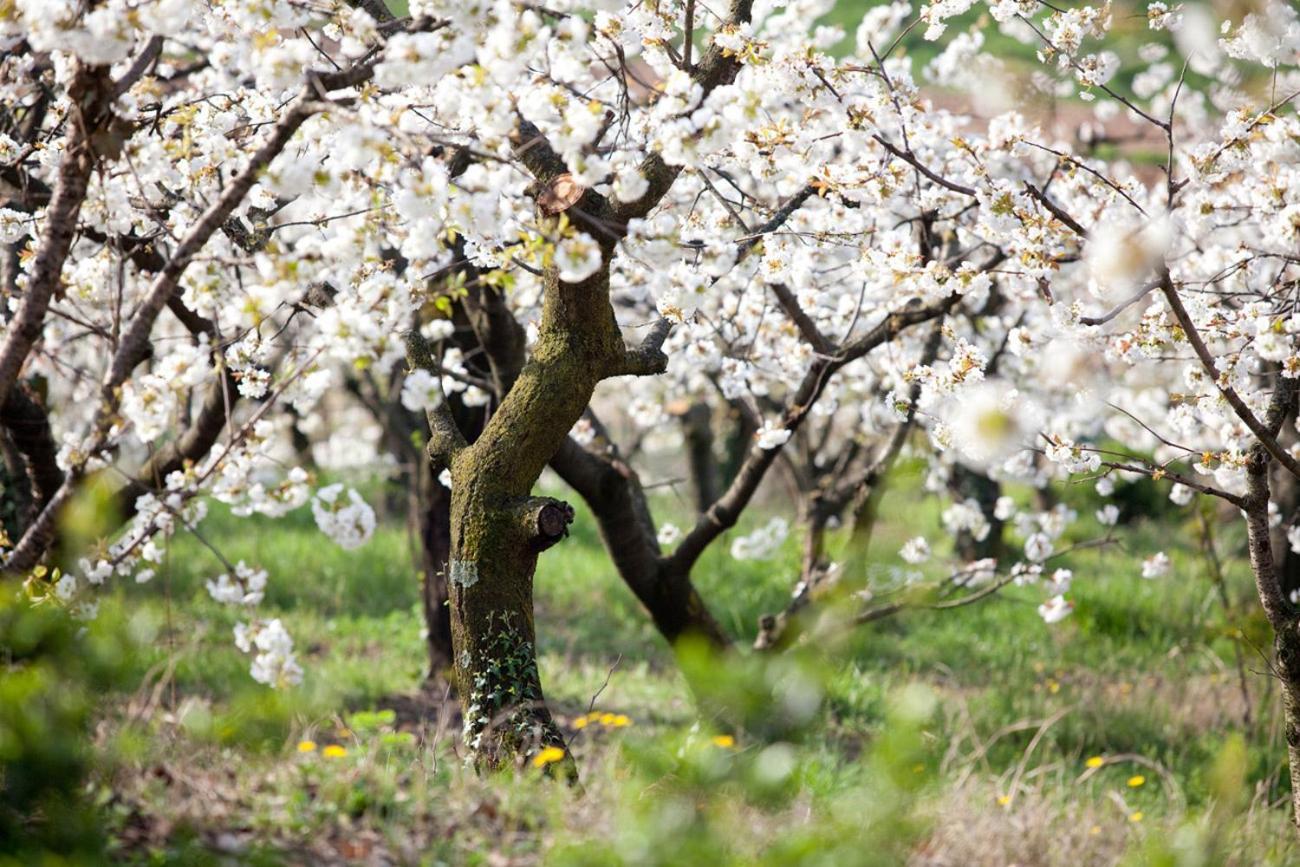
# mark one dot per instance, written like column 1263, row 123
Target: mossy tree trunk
column 497, row 527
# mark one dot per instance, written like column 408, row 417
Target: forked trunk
column 498, row 528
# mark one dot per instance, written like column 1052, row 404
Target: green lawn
column 955, row 737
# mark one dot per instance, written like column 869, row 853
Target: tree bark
column 1285, row 490
column 431, row 519
column 1282, row 616
column 1280, row 613
column 28, row 427
column 497, row 527
column 613, row 491
column 697, row 429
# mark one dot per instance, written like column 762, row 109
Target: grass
column 199, row 760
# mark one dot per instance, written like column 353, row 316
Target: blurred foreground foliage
column 54, row 672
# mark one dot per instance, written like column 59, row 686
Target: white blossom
column 1156, row 566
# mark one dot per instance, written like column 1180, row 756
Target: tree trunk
column 968, row 484
column 1282, row 616
column 30, row 454
column 613, row 491
column 736, row 444
column 495, row 548
column 1286, row 494
column 697, row 429
column 498, row 528
column 430, row 515
column 1286, row 644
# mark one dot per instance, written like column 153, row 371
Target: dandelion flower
column 334, row 751
column 725, row 741
column 619, row 721
column 548, row 756
column 1004, row 800
column 1135, row 817
column 1136, row 780
column 581, row 722
column 306, row 746
column 1095, row 762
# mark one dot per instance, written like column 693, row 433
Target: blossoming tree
column 216, row 213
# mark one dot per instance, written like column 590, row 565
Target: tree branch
column 445, row 438
column 1267, row 438
column 723, row 514
column 544, row 520
column 714, row 70
column 647, row 358
column 91, row 94
column 808, row 329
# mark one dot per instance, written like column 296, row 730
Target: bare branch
column 910, row 158
column 808, row 329
column 1056, row 210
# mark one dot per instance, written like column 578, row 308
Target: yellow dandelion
column 1095, row 830
column 725, row 741
column 1095, row 762
column 548, row 756
column 1136, row 780
column 581, row 722
column 334, row 751
column 1135, row 817
column 306, row 746
column 620, row 721
column 1053, row 687
column 1004, row 800
column 607, row 719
